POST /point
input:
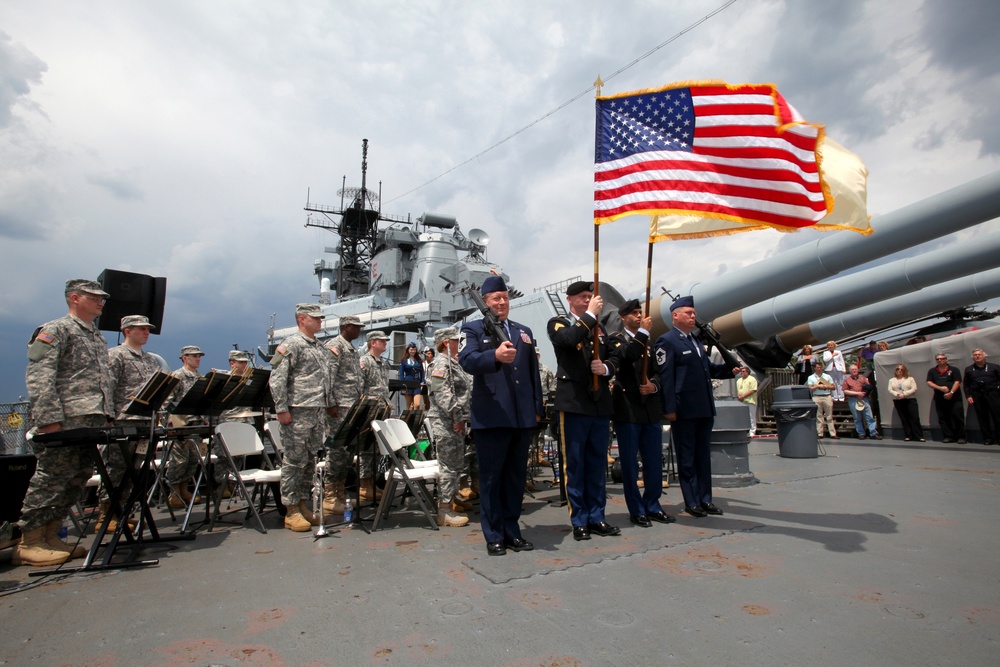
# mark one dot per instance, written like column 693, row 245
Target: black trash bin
column 795, row 416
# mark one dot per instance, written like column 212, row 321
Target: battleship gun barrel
column 955, row 209
column 928, row 301
column 846, row 293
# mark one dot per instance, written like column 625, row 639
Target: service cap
column 84, row 285
column 238, row 355
column 136, row 321
column 446, row 333
column 376, row 335
column 350, row 319
column 310, row 309
column 493, row 284
column 682, row 302
column 191, row 351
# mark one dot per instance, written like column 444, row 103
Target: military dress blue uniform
column 686, row 389
column 584, row 418
column 506, row 405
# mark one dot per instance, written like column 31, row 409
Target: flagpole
column 597, row 253
column 645, row 311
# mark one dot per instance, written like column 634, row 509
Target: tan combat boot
column 446, row 518
column 369, row 491
column 307, row 513
column 295, row 521
column 35, row 552
column 333, row 502
column 459, row 505
column 176, row 498
column 53, row 542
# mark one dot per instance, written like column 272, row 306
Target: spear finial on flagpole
column 598, row 84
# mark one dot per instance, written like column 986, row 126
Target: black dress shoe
column 710, row 508
column 640, row 520
column 495, row 548
column 519, row 544
column 696, row 512
column 660, row 517
column 604, row 529
column 581, row 533
column 961, row 441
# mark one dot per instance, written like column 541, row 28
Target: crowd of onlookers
column 834, row 377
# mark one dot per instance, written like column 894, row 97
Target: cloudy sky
column 178, row 138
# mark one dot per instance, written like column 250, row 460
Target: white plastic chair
column 391, row 439
column 237, row 439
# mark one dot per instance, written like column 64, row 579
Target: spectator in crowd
column 856, row 390
column 746, row 392
column 804, row 361
column 412, row 368
column 946, row 381
column 835, row 366
column 982, row 384
column 903, row 389
column 821, row 386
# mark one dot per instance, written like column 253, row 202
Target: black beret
column 579, row 286
column 682, row 302
column 628, row 307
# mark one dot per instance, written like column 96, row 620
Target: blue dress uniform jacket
column 506, row 404
column 503, row 395
column 686, row 388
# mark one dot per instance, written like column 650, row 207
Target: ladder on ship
column 557, row 303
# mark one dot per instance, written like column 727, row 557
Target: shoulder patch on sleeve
column 282, row 350
column 461, row 341
column 438, row 373
column 335, row 351
column 45, row 338
column 557, row 326
column 661, row 356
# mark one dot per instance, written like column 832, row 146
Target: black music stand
column 206, row 398
column 356, row 428
column 147, row 402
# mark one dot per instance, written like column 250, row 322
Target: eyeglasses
column 941, row 359
column 95, row 299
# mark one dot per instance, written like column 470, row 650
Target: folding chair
column 387, row 435
column 239, row 439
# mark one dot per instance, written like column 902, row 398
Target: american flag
column 738, row 153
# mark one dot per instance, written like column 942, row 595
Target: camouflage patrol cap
column 376, row 335
column 446, row 333
column 136, row 321
column 350, row 319
column 310, row 309
column 84, row 285
column 238, row 355
column 191, row 350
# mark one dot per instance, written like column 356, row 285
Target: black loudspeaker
column 15, row 473
column 132, row 294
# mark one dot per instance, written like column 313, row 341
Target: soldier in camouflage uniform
column 131, row 367
column 185, row 455
column 450, row 389
column 548, row 395
column 239, row 361
column 345, row 374
column 69, row 386
column 375, row 384
column 300, row 385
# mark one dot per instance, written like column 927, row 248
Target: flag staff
column 598, row 83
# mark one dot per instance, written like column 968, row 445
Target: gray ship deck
column 878, row 553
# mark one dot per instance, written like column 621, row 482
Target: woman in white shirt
column 903, row 389
column 835, row 367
